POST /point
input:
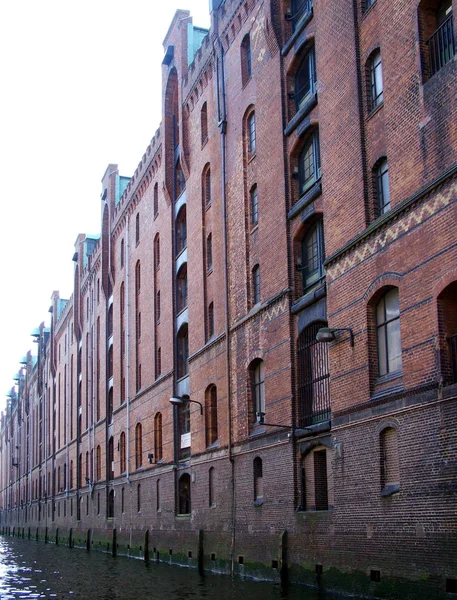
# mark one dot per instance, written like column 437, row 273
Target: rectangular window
column 320, row 480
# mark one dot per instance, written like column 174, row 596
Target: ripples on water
column 30, row 569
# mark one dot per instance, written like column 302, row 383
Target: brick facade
column 303, row 176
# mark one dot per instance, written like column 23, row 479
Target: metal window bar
column 452, row 341
column 441, row 45
column 313, row 378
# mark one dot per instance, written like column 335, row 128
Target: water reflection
column 30, row 569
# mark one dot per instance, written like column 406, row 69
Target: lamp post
column 182, row 400
column 327, row 334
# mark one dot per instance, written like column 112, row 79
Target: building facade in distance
column 283, row 265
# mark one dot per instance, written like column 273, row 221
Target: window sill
column 204, row 142
column 307, row 107
column 312, row 511
column 297, row 31
column 251, row 157
column 310, row 297
column 313, row 191
column 255, row 228
column 390, row 489
column 388, row 385
column 258, row 502
column 256, row 430
column 374, row 111
column 209, row 271
column 183, row 517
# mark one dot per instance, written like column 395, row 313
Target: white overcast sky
column 80, row 88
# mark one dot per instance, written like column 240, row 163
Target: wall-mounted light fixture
column 261, row 420
column 181, row 400
column 327, row 334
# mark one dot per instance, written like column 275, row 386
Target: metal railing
column 452, row 341
column 313, row 377
column 441, row 46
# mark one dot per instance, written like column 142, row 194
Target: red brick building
column 302, row 180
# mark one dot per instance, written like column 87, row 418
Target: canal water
column 30, row 569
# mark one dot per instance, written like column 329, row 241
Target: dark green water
column 30, row 569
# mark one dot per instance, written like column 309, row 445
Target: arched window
column 122, row 452
column 257, row 381
column 209, row 252
column 437, row 39
column 305, row 80
column 158, row 449
column 313, row 377
column 300, row 10
column 212, row 487
column 374, row 69
column 181, row 231
column 381, row 174
column 312, row 256
column 122, row 252
column 111, row 458
column 180, row 182
column 110, row 395
column 206, row 186
column 158, row 306
column 157, row 252
column 388, row 333
column 258, row 478
column 317, row 477
column 447, row 323
column 138, row 497
column 158, row 361
column 246, row 59
column 309, row 163
column 256, row 284
column 211, row 415
column 204, row 122
column 389, row 461
column 182, row 288
column 156, row 200
column 110, row 320
column 251, row 134
column 184, row 505
column 158, row 506
column 98, row 459
column 210, row 321
column 137, row 228
column 253, row 195
column 138, row 445
column 137, row 277
column 183, row 351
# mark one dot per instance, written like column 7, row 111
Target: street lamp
column 327, row 334
column 182, row 400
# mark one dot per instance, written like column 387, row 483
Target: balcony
column 441, row 46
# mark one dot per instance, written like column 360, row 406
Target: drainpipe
column 92, row 388
column 67, row 395
column 222, row 124
column 127, row 345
